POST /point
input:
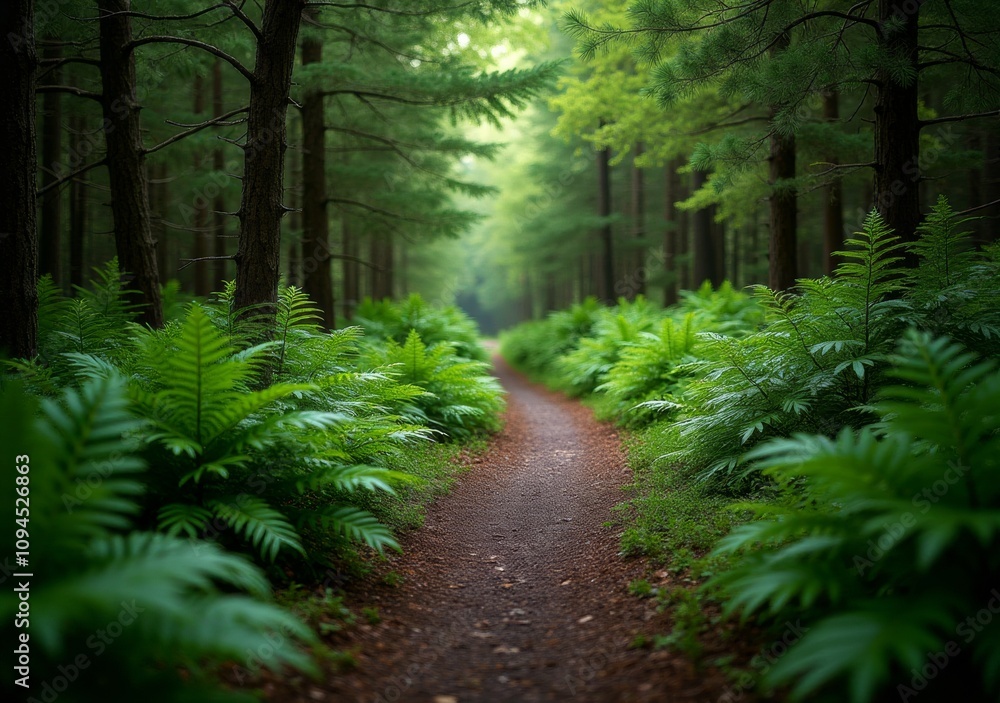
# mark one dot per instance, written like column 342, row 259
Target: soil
column 514, row 589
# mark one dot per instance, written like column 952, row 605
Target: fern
column 884, row 509
column 459, row 396
column 175, row 603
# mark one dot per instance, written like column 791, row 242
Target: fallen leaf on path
column 445, row 699
column 585, row 619
column 566, row 582
column 504, row 649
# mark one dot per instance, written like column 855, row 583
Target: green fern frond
column 265, row 528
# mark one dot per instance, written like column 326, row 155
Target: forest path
column 513, row 590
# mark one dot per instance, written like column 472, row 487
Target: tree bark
column 50, row 227
column 219, row 249
column 349, row 268
column 684, row 273
column 705, row 265
column 782, row 244
column 127, row 162
column 317, row 280
column 719, row 242
column 671, row 235
column 202, row 233
column 261, row 208
column 77, row 202
column 991, row 185
column 606, row 255
column 18, row 248
column 158, row 189
column 833, row 195
column 639, row 223
column 897, row 126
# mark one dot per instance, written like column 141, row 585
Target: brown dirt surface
column 514, row 589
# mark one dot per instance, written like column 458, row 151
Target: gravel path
column 513, row 589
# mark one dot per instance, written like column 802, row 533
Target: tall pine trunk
column 77, row 202
column 705, row 266
column 18, row 248
column 50, row 226
column 261, row 208
column 991, row 185
column 606, row 251
column 202, row 231
column 833, row 195
column 897, row 126
column 351, row 275
column 219, row 248
column 671, row 235
column 639, row 223
column 317, row 279
column 782, row 244
column 167, row 251
column 127, row 161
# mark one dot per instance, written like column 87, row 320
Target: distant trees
column 375, row 86
column 784, row 60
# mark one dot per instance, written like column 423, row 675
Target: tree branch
column 959, row 118
column 214, row 50
column 68, row 177
column 71, row 89
column 220, row 120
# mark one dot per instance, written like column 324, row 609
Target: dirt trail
column 513, row 590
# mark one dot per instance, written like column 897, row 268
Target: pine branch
column 214, row 50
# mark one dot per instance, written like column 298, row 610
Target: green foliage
column 535, row 347
column 136, row 605
column 882, row 511
column 208, row 423
column 389, row 320
column 460, row 398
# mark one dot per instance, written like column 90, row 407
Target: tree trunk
column 50, row 227
column 18, row 248
column 719, row 241
column 219, row 249
column 703, row 239
column 833, row 195
column 671, row 235
column 606, row 256
column 991, row 185
column 352, row 289
column 261, row 208
column 77, row 211
column 157, row 217
column 897, row 126
column 638, row 276
column 202, row 233
column 783, row 201
column 317, row 277
column 684, row 270
column 380, row 255
column 127, row 162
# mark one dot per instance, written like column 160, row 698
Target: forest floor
column 514, row 589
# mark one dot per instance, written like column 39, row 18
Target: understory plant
column 890, row 553
column 459, row 398
column 113, row 608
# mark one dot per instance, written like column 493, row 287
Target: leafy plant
column 388, row 320
column 882, row 511
column 460, row 398
column 206, row 429
column 123, row 610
